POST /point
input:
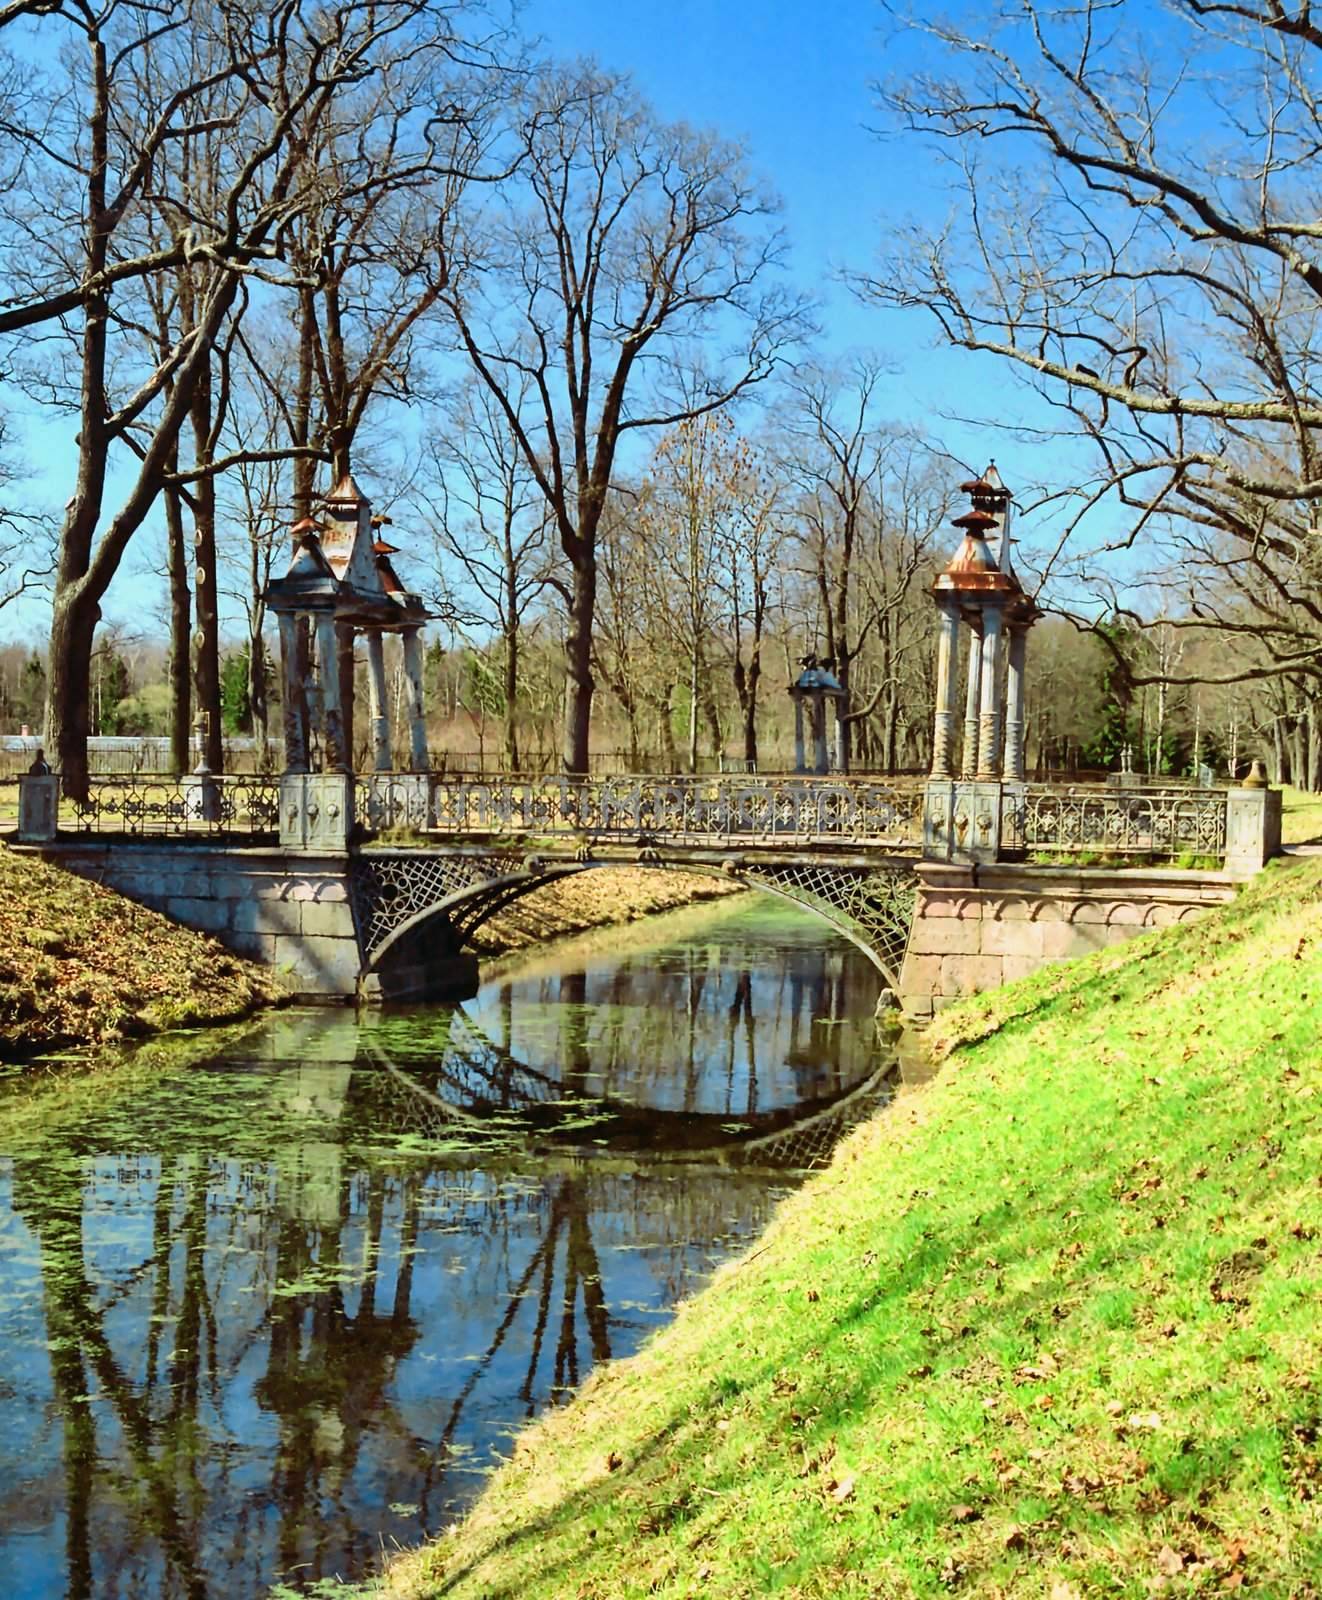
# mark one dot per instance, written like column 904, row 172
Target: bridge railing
column 694, row 809
column 142, row 804
column 1164, row 821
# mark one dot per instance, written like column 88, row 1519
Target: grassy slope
column 1301, row 816
column 81, row 965
column 1051, row 1327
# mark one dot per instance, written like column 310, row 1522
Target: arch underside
column 397, row 895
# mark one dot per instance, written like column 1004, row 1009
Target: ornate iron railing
column 140, row 804
column 1165, row 822
column 693, row 809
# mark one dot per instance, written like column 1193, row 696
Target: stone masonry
column 288, row 909
column 977, row 927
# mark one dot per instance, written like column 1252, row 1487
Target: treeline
column 249, row 245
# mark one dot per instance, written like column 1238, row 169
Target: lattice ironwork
column 140, row 804
column 389, row 889
column 1116, row 821
column 457, row 1094
column 692, row 809
column 809, row 1144
column 876, row 904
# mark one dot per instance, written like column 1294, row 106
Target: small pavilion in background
column 340, row 584
column 980, row 595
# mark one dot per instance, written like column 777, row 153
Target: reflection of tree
column 50, row 1197
column 328, row 1372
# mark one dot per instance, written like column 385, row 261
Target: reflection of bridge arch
column 481, row 1091
column 408, row 902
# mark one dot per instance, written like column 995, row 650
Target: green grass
column 1050, row 1326
column 1301, row 816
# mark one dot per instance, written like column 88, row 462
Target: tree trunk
column 511, row 697
column 181, row 610
column 578, row 661
column 206, row 669
column 69, row 675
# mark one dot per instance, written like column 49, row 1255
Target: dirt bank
column 606, row 897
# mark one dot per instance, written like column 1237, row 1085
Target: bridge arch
column 404, row 899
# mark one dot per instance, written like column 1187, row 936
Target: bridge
column 373, row 885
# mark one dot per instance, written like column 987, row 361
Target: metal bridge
column 423, row 859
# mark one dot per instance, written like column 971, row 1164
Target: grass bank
column 1049, row 1327
column 81, row 965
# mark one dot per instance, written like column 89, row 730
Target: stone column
column 1014, row 704
column 821, row 761
column 989, row 721
column 800, row 759
column 332, row 714
column 947, row 654
column 969, row 760
column 344, row 635
column 838, row 731
column 293, row 702
column 376, row 701
column 419, row 761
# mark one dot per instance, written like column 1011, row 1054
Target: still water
column 267, row 1313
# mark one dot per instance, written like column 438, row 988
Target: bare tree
column 490, row 518
column 621, row 236
column 91, row 159
column 1139, row 239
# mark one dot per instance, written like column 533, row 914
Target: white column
column 293, row 704
column 332, row 715
column 376, row 701
column 419, row 760
column 1014, row 704
column 989, row 721
column 800, row 759
column 838, row 710
column 821, row 761
column 969, row 760
column 947, row 653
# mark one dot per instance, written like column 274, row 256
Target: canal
column 267, row 1312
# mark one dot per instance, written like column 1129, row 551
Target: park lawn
column 1049, row 1326
column 1301, row 816
column 81, row 965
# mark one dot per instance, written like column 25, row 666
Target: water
column 265, row 1314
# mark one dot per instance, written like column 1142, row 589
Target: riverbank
column 81, row 966
column 1048, row 1327
column 606, row 897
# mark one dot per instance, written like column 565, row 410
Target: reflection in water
column 261, row 1314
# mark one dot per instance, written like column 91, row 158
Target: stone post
column 989, row 720
column 293, row 703
column 1014, row 704
column 1253, row 828
column 800, row 759
column 328, row 671
column 947, row 655
column 38, row 805
column 419, row 760
column 376, row 701
column 969, row 762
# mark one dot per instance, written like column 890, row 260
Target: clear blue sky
column 792, row 81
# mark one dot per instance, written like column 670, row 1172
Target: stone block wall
column 977, row 927
column 289, row 910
